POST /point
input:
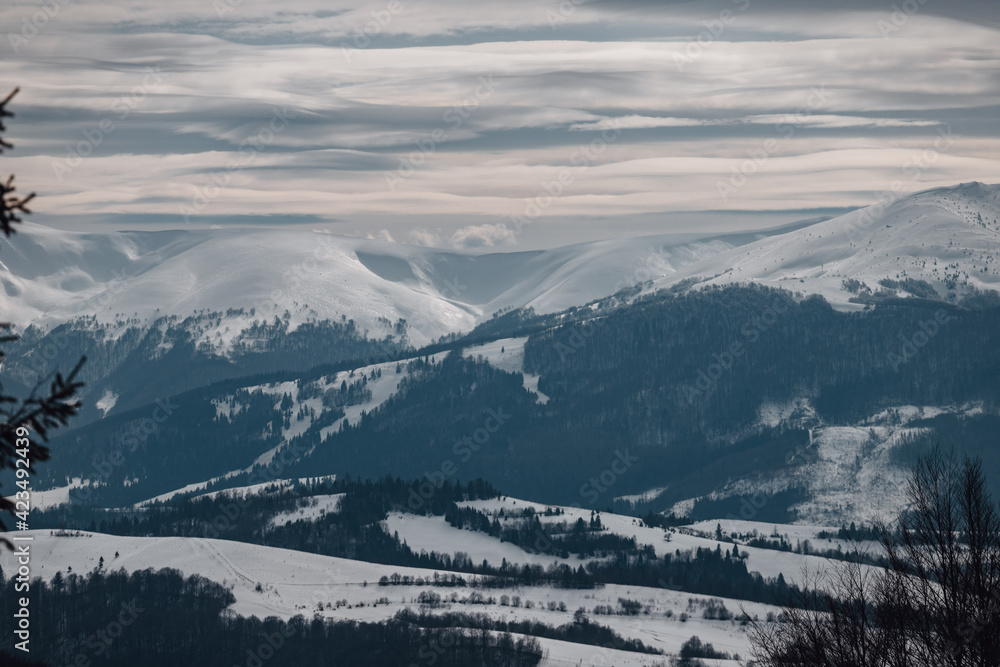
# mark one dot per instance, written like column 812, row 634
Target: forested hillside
column 671, row 391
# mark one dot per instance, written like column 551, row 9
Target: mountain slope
column 49, row 277
column 946, row 237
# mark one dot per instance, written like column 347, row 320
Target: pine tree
column 21, row 421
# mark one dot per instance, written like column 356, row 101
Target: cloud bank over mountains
column 444, row 123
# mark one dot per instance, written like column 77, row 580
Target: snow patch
column 106, row 402
column 507, row 354
column 60, row 495
column 314, row 507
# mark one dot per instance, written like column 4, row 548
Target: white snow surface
column 189, row 489
column 848, row 469
column 768, row 562
column 293, row 582
column 51, row 497
column 312, row 508
column 241, row 491
column 107, row 402
column 507, row 354
column 934, row 235
column 50, row 276
column 433, row 533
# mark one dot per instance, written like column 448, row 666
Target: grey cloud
column 972, row 11
column 363, row 115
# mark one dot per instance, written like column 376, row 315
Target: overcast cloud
column 494, row 125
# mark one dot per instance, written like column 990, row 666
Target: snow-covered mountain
column 52, row 276
column 946, row 237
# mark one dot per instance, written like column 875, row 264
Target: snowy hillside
column 947, row 237
column 848, row 470
column 278, row 582
column 51, row 276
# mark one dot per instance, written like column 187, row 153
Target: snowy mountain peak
column 941, row 241
column 938, row 243
column 49, row 277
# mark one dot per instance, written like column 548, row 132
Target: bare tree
column 933, row 600
column 21, row 421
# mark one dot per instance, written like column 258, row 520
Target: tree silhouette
column 21, row 420
column 934, row 599
column 10, row 204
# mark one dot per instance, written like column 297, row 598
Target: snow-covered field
column 433, row 533
column 52, row 497
column 768, row 562
column 268, row 581
column 427, row 533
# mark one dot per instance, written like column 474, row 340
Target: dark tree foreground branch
column 10, row 204
column 35, row 416
column 933, row 600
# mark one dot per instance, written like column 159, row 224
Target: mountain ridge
column 940, row 239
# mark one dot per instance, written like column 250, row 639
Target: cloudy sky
column 505, row 125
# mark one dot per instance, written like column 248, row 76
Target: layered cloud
column 446, row 123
